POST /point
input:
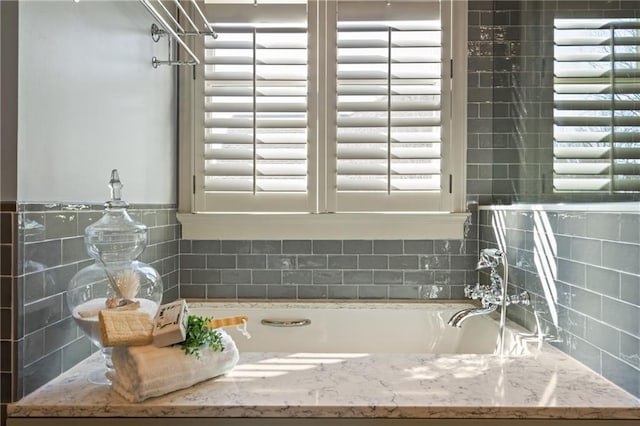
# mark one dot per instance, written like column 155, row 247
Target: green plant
column 199, row 335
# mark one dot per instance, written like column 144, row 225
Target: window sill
column 334, row 226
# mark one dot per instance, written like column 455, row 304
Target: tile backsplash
column 582, row 270
column 51, row 250
column 7, row 253
column 320, row 269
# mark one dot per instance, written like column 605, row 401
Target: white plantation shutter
column 348, row 112
column 389, row 87
column 255, row 109
column 597, row 105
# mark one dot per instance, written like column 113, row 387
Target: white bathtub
column 372, row 327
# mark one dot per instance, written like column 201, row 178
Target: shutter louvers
column 388, row 106
column 597, row 105
column 255, row 84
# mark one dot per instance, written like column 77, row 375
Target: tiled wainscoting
column 7, row 253
column 51, row 250
column 318, row 269
column 583, row 272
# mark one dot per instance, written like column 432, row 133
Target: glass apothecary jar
column 116, row 280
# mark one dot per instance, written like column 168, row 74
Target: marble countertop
column 546, row 385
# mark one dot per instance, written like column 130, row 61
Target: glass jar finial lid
column 116, row 237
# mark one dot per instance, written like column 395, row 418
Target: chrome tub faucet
column 493, row 295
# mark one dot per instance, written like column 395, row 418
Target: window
column 391, row 94
column 596, row 106
column 313, row 107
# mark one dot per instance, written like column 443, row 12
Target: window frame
column 443, row 224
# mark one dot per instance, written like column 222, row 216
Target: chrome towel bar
column 169, row 25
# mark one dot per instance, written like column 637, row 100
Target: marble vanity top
column 546, row 385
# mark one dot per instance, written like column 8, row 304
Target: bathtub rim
column 334, row 303
column 523, row 341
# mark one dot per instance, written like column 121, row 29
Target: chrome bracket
column 156, row 33
column 175, row 37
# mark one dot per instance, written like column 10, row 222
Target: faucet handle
column 522, row 298
column 468, row 291
column 472, row 291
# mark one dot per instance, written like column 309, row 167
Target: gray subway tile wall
column 523, row 97
column 586, row 291
column 327, row 268
column 7, row 309
column 480, row 71
column 50, row 244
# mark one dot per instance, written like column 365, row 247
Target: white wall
column 90, row 101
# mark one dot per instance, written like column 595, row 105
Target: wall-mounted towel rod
column 168, row 21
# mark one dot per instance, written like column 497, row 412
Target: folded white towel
column 141, row 372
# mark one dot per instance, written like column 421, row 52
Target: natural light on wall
column 499, row 225
column 545, row 257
